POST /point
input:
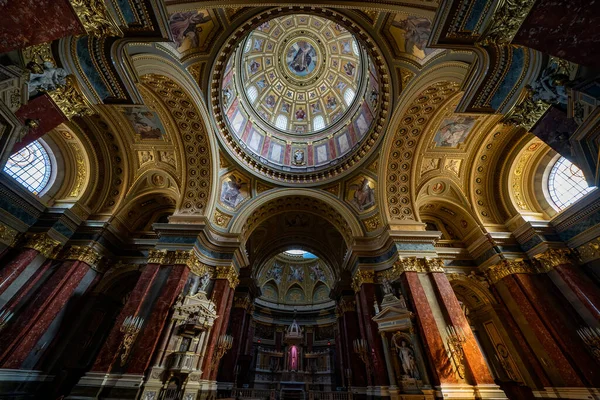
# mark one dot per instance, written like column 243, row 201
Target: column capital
column 188, row 258
column 497, row 272
column 157, row 256
column 44, row 244
column 434, row 264
column 346, row 306
column 8, row 235
column 84, row 254
column 362, row 276
column 242, row 301
column 552, row 258
column 228, row 272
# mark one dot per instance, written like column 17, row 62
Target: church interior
column 334, row 200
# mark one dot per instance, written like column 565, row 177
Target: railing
column 314, row 395
column 263, row 394
column 182, row 361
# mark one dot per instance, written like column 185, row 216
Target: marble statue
column 46, row 79
column 387, row 287
column 407, row 357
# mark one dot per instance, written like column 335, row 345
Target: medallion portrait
column 301, row 58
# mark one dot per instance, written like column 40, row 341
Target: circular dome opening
column 300, row 98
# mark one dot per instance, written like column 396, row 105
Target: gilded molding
column 180, row 257
column 157, row 256
column 506, row 21
column 95, row 18
column 8, row 235
column 84, row 254
column 229, row 273
column 346, row 306
column 553, row 258
column 70, row 100
column 526, row 113
column 589, row 251
column 242, row 302
column 44, row 244
column 221, row 219
column 434, row 264
column 362, row 276
column 508, row 267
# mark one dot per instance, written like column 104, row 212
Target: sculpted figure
column 46, row 79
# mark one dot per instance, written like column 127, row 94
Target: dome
column 299, row 96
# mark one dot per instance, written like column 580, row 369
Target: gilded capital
column 242, row 302
column 44, row 244
column 434, row 264
column 157, row 256
column 346, row 306
column 363, row 276
column 229, row 273
column 8, row 235
column 552, row 258
column 589, row 251
column 507, row 267
column 84, row 254
column 70, row 100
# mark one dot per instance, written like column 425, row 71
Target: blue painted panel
column 511, row 78
column 83, row 55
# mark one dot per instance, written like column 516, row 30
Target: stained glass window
column 566, row 184
column 30, row 167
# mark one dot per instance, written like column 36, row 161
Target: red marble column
column 33, row 321
column 148, row 338
column 220, row 296
column 557, row 316
column 537, row 326
column 26, row 288
column 473, row 356
column 15, row 267
column 428, row 330
column 110, row 351
column 224, row 324
column 350, row 331
column 46, row 112
column 238, row 322
column 583, row 287
column 366, row 297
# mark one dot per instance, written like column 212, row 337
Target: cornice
column 508, row 267
column 84, row 254
column 44, row 244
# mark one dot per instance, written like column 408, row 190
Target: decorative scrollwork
column 506, row 21
column 70, row 100
column 95, row 19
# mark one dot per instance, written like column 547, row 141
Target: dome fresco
column 299, row 94
column 295, row 280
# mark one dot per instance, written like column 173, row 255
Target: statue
column 204, row 281
column 387, row 287
column 407, row 356
column 46, row 78
column 402, row 301
column 551, row 86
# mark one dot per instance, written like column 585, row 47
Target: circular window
column 566, row 184
column 31, row 167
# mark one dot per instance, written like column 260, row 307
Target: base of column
column 464, row 391
column 568, row 393
column 107, row 386
column 23, row 382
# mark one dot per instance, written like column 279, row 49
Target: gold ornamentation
column 453, row 165
column 94, row 18
column 242, row 302
column 507, row 267
column 429, row 164
column 157, row 256
column 84, row 254
column 8, row 235
column 526, row 113
column 372, row 223
column 346, row 306
column 506, row 21
column 553, row 258
column 362, row 276
column 589, row 251
column 70, row 100
column 455, row 341
column 261, row 187
column 130, row 328
column 80, row 175
column 44, row 245
column 229, row 273
column 434, row 264
column 221, row 219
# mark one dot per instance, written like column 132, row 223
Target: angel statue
column 46, row 78
column 387, row 287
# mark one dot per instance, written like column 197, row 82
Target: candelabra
column 591, row 338
column 5, row 316
column 456, row 339
column 223, row 345
column 130, row 329
column 362, row 349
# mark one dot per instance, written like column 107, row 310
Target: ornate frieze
column 44, row 244
column 527, row 113
column 180, row 257
column 434, row 264
column 508, row 267
column 553, row 258
column 95, row 18
column 506, row 21
column 70, row 100
column 243, row 301
column 8, row 235
column 157, row 256
column 84, row 254
column 362, row 276
column 229, row 273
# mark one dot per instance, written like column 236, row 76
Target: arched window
column 248, row 45
column 31, row 167
column 281, row 122
column 318, row 123
column 349, row 96
column 566, row 184
column 252, row 93
column 355, row 47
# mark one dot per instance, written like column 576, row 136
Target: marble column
column 428, row 330
column 473, row 357
column 226, row 278
column 107, row 358
column 366, row 297
column 50, row 299
column 239, row 324
column 224, row 324
column 351, row 331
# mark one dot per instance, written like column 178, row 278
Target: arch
column 423, row 96
column 295, row 294
column 309, row 200
column 176, row 87
column 33, row 167
column 320, row 293
column 566, row 184
column 270, row 292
